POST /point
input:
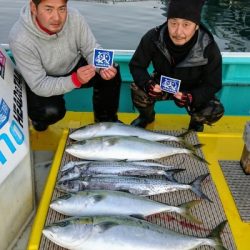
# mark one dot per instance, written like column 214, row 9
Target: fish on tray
column 134, row 185
column 125, row 233
column 71, row 164
column 126, row 169
column 106, row 202
column 120, row 129
column 125, row 148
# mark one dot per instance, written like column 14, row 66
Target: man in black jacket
column 182, row 49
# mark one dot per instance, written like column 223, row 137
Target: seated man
column 183, row 49
column 53, row 48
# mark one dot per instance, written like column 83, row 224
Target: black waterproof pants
column 49, row 110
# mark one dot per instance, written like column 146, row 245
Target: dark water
column 120, row 24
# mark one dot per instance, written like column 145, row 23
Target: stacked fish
column 117, row 141
column 107, row 193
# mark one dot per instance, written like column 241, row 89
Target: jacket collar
column 196, row 55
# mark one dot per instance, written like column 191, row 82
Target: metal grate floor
column 211, row 214
column 239, row 184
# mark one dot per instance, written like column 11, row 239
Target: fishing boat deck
column 222, row 143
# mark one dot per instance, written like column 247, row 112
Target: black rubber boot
column 147, row 115
column 106, row 98
column 39, row 126
column 196, row 126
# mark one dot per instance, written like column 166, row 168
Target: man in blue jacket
column 182, row 49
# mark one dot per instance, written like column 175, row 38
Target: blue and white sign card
column 170, row 85
column 103, row 58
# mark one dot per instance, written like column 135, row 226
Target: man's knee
column 210, row 114
column 53, row 114
column 48, row 113
column 140, row 98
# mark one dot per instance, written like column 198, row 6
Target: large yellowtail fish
column 120, row 129
column 124, row 148
column 124, row 233
column 106, row 202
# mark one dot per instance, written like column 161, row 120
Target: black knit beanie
column 185, row 9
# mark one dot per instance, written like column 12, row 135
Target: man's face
column 51, row 14
column 181, row 30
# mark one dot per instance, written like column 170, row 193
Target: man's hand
column 85, row 73
column 108, row 73
column 154, row 90
column 183, row 99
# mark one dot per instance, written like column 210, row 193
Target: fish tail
column 215, row 236
column 182, row 140
column 196, row 186
column 184, row 210
column 194, row 154
column 194, row 147
column 199, row 158
column 191, row 150
column 169, row 173
column 186, row 144
column 197, row 146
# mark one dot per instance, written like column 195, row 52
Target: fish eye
column 65, row 197
column 83, row 142
column 62, row 223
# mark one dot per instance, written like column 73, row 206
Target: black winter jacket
column 200, row 72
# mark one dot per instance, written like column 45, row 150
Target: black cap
column 185, row 9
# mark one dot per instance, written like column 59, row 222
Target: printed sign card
column 169, row 84
column 103, row 58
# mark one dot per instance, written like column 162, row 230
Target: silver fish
column 125, row 170
column 124, row 148
column 71, row 164
column 134, row 185
column 105, row 202
column 120, row 129
column 124, row 233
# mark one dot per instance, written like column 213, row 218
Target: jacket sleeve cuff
column 75, row 80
